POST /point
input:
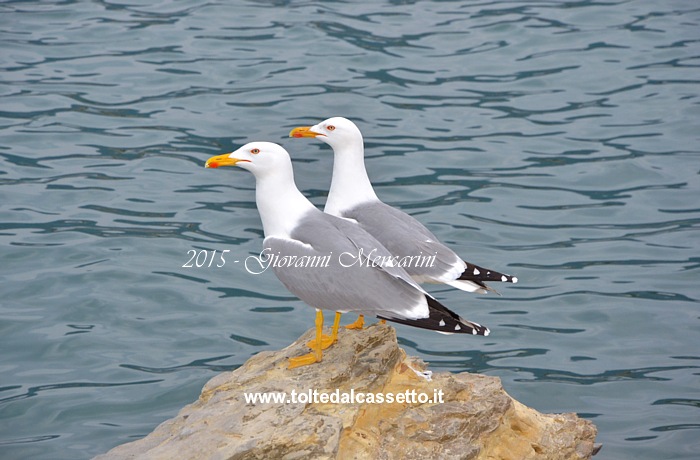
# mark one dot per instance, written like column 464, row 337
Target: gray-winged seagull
column 352, row 277
column 351, row 196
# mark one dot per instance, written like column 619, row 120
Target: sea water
column 554, row 140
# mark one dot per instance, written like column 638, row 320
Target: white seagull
column 352, row 197
column 351, row 279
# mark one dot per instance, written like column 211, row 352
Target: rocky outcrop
column 476, row 420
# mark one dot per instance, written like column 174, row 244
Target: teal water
column 555, row 140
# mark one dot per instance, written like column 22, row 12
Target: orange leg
column 327, row 340
column 316, row 355
column 359, row 324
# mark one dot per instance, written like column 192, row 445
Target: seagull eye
column 330, row 128
column 254, row 151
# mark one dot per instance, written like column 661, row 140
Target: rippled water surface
column 556, row 140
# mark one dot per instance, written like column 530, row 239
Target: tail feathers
column 443, row 320
column 479, row 275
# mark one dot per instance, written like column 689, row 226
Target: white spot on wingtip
column 476, row 271
column 442, row 322
column 504, row 278
column 487, row 332
column 473, row 331
column 457, row 327
column 515, row 279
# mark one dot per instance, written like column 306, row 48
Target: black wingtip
column 443, row 320
column 479, row 275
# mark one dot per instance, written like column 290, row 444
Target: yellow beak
column 303, row 131
column 222, row 160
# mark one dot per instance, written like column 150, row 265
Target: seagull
column 358, row 274
column 351, row 196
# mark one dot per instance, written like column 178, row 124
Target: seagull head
column 260, row 158
column 338, row 132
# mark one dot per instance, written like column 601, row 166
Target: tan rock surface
column 477, row 419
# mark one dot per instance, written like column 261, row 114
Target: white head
column 338, row 132
column 279, row 202
column 260, row 158
column 350, row 184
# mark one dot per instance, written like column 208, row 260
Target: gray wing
column 309, row 264
column 404, row 236
column 371, row 249
column 316, row 265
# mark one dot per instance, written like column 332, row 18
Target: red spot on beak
column 213, row 164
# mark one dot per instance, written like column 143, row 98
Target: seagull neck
column 350, row 184
column 280, row 203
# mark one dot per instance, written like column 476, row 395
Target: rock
column 477, row 420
